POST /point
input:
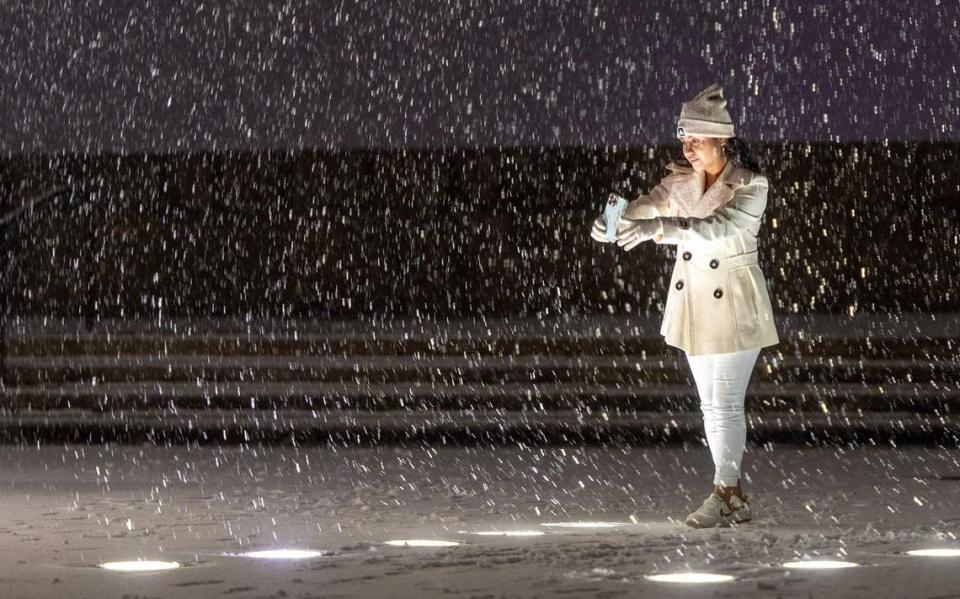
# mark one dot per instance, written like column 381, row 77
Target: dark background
column 345, row 158
column 849, row 227
column 167, row 76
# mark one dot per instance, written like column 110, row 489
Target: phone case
column 612, row 213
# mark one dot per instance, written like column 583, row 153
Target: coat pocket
column 743, row 283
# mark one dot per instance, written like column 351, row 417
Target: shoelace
column 710, row 503
column 733, row 510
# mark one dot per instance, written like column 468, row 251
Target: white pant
column 722, row 383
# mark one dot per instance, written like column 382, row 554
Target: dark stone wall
column 454, row 232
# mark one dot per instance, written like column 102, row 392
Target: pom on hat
column 706, row 115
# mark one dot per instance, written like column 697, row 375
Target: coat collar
column 685, row 185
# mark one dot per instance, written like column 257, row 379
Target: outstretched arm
column 742, row 213
column 651, row 205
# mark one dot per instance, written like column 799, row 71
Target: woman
column 718, row 310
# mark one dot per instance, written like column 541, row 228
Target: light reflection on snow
column 943, row 552
column 139, row 566
column 585, row 524
column 506, row 533
column 282, row 554
column 690, row 577
column 824, row 564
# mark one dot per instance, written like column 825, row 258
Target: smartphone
column 612, row 213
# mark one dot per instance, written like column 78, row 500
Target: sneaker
column 716, row 512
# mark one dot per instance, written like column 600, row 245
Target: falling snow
column 313, row 281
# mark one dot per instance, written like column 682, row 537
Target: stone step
column 863, row 380
column 918, row 348
column 928, row 398
column 451, row 370
column 339, row 428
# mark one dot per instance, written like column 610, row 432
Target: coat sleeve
column 740, row 214
column 651, row 205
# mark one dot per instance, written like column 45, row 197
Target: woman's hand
column 632, row 232
column 599, row 232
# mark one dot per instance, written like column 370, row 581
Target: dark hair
column 737, row 152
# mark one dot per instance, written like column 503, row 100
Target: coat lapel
column 686, row 189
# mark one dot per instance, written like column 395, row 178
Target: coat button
column 687, row 255
column 684, row 224
column 679, row 285
column 714, row 263
column 718, row 293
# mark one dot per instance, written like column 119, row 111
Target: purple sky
column 144, row 75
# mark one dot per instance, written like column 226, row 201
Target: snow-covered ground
column 67, row 508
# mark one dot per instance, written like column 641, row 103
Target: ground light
column 935, row 552
column 281, row 554
column 585, row 524
column 690, row 577
column 139, row 566
column 819, row 564
column 505, row 533
column 420, row 543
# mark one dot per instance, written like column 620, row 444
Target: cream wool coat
column 718, row 300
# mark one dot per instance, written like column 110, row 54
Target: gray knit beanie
column 706, row 115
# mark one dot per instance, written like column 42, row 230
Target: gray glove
column 599, row 232
column 632, row 232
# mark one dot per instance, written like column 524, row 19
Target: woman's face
column 704, row 153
